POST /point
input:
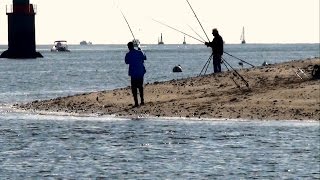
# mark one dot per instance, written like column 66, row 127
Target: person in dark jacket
column 135, row 59
column 217, row 50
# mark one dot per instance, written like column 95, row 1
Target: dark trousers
column 137, row 83
column 216, row 59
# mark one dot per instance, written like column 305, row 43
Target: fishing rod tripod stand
column 205, row 67
column 228, row 67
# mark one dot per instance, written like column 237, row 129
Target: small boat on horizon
column 60, row 46
column 85, row 43
column 184, row 40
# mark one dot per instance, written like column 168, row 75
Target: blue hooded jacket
column 135, row 59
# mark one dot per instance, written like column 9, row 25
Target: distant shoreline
column 276, row 93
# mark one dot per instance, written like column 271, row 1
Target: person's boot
column 136, row 104
column 141, row 96
column 135, row 97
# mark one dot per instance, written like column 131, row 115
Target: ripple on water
column 150, row 148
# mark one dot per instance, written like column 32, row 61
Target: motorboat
column 83, row 43
column 60, row 46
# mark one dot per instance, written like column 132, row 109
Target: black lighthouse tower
column 21, row 31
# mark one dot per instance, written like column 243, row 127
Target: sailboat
column 184, row 40
column 243, row 41
column 160, row 41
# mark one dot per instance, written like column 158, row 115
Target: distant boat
column 184, row 40
column 85, row 43
column 242, row 38
column 60, row 46
column 160, row 41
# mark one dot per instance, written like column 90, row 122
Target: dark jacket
column 135, row 59
column 216, row 45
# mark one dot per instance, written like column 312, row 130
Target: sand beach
column 275, row 92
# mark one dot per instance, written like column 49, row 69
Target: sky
column 101, row 21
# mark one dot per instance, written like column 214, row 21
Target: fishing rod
column 239, row 59
column 206, row 65
column 178, row 30
column 236, row 72
column 128, row 25
column 198, row 20
column 196, row 33
column 232, row 76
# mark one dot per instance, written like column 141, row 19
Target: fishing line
column 128, row 24
column 198, row 20
column 178, row 30
column 238, row 59
column 196, row 33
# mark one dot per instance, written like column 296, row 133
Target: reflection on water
column 102, row 147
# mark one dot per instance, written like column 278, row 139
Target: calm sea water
column 62, row 146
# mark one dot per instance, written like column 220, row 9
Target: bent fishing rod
column 128, row 25
column 208, row 37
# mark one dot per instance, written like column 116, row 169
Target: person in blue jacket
column 135, row 59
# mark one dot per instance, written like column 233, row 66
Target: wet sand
column 275, row 93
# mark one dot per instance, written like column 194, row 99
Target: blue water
column 62, row 146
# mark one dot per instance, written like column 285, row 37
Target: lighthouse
column 21, row 31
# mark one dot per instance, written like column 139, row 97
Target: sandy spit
column 275, row 93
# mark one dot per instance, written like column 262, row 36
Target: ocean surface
column 41, row 146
